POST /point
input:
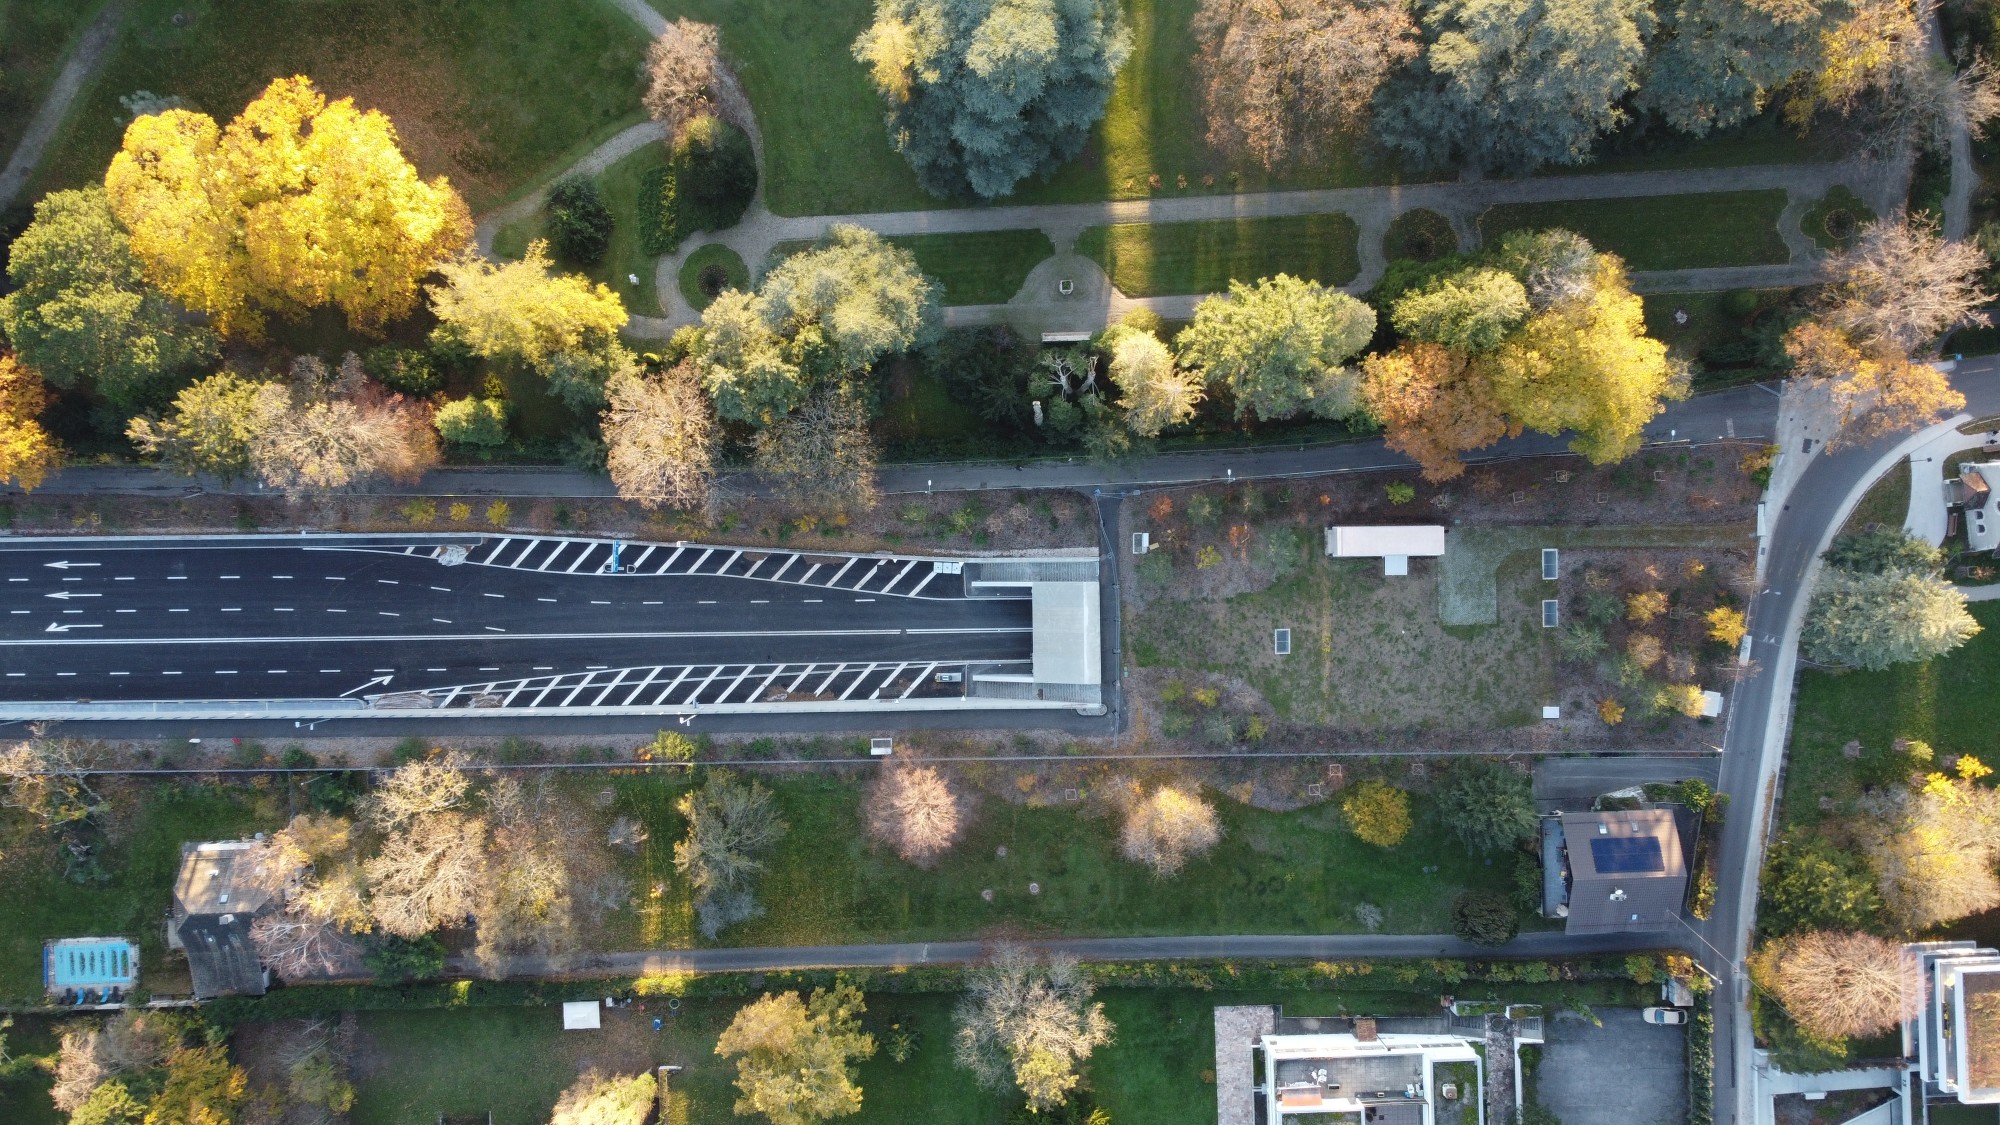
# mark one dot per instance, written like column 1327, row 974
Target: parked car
column 1666, row 1017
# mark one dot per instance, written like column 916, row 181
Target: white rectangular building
column 1394, row 544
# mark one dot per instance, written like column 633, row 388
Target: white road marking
column 225, row 672
column 437, row 669
column 15, row 675
column 281, row 576
column 864, row 599
column 20, row 611
column 114, row 611
column 54, row 628
column 65, row 595
column 328, row 671
column 335, row 578
column 121, row 673
column 386, row 613
column 493, row 595
column 232, row 609
column 336, row 611
column 281, row 609
column 172, row 673
column 545, row 599
column 128, row 579
column 706, row 601
column 814, row 601
column 442, row 589
column 543, row 668
column 65, row 673
column 760, row 601
column 274, row 671
column 495, row 629
column 65, row 564
column 442, row 620
column 652, row 603
column 489, row 669
column 388, row 582
column 177, row 611
column 600, row 603
column 177, row 578
column 17, row 580
column 229, row 576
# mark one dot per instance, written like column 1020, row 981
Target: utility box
column 1141, row 542
column 881, row 747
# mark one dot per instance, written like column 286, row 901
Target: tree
column 578, row 221
column 49, row 779
column 82, row 313
column 1488, row 805
column 1029, row 1024
column 797, row 1057
column 820, row 455
column 730, row 825
column 521, row 311
column 682, row 70
column 1875, row 392
column 982, row 94
column 1877, row 49
column 1281, row 80
column 660, row 440
column 1474, row 310
column 27, row 452
column 310, row 441
column 126, row 1045
column 913, row 811
column 1685, row 700
column 1485, row 917
column 530, row 905
column 1514, row 84
column 1933, row 850
column 1167, row 828
column 1901, row 285
column 1715, row 63
column 1726, row 625
column 1378, row 813
column 1812, row 883
column 1872, row 621
column 426, row 785
column 428, row 873
column 1155, row 392
column 596, row 1098
column 1883, row 550
column 295, row 205
column 1278, row 346
column 200, row 1087
column 1840, row 985
column 212, row 425
column 473, row 421
column 1434, row 404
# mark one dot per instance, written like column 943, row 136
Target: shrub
column 1682, row 699
column 403, row 370
column 1218, row 730
column 1401, row 492
column 473, row 421
column 1377, row 812
column 669, row 746
column 660, row 211
column 499, row 512
column 395, row 960
column 1611, row 711
column 1726, row 625
column 1646, row 605
column 1203, row 509
column 1156, row 568
column 579, row 223
column 1484, row 918
column 717, row 173
column 1579, row 643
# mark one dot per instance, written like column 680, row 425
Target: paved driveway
column 1625, row 1072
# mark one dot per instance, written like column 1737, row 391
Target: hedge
column 1701, row 1062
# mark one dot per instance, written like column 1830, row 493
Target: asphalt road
column 320, row 617
column 1760, row 721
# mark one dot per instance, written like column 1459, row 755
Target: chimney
column 1364, row 1029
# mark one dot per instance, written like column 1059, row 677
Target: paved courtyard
column 1626, row 1071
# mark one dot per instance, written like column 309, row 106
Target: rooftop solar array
column 1625, row 855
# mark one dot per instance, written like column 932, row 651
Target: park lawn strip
column 1661, row 232
column 1886, row 503
column 1155, row 259
column 494, row 95
column 1713, row 331
column 703, row 257
column 36, row 38
column 623, row 259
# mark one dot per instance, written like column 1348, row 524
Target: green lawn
column 1947, row 702
column 1299, row 872
column 920, row 409
column 1764, row 139
column 35, row 40
column 620, row 184
column 1835, row 218
column 712, row 256
column 1152, row 259
column 979, row 268
column 1664, row 232
column 1419, row 234
column 495, row 94
column 42, row 905
column 1887, row 501
column 1716, row 337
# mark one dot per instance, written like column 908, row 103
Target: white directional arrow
column 67, row 628
column 66, row 595
column 65, row 564
column 369, row 684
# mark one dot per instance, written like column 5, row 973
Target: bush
column 395, row 960
column 403, row 370
column 1489, row 805
column 1484, row 918
column 1378, row 813
column 579, row 223
column 717, row 173
column 660, row 211
column 473, row 421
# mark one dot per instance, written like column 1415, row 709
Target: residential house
column 221, row 889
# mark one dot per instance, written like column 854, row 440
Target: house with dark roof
column 1614, row 871
column 222, row 887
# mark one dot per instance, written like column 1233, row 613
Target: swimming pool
column 100, row 962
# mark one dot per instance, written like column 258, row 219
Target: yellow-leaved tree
column 27, row 453
column 297, row 204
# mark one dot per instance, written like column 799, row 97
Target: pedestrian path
column 76, row 73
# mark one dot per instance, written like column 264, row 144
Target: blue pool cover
column 90, row 963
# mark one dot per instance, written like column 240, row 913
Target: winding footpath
column 82, row 65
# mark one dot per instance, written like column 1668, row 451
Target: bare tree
column 128, row 1043
column 320, row 443
column 1168, row 828
column 731, row 824
column 531, row 902
column 427, row 785
column 1902, row 285
column 660, row 437
column 429, row 873
column 913, row 810
column 1030, row 1024
column 294, row 942
column 1282, row 79
column 1841, row 986
column 820, row 455
column 682, row 72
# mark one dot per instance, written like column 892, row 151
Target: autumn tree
column 1874, row 620
column 1283, row 80
column 523, row 312
column 431, row 872
column 1726, row 625
column 472, row 421
column 731, row 824
column 82, row 314
column 1933, row 848
column 50, row 780
column 1154, row 390
column 820, row 455
column 1434, row 404
column 295, row 205
column 212, row 425
column 914, row 812
column 27, row 452
column 1029, row 1024
column 982, row 95
column 1840, row 985
column 309, row 867
column 1167, row 828
column 795, row 1058
column 125, row 1047
column 200, row 1086
column 534, row 900
column 596, row 1098
column 682, row 72
column 434, row 784
column 1489, row 805
column 660, row 440
column 1279, row 346
column 1901, row 285
column 1874, row 392
column 1514, row 84
column 1377, row 812
column 309, row 441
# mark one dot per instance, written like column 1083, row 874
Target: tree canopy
column 27, row 452
column 522, row 311
column 985, row 93
column 296, row 204
column 1875, row 620
column 1714, row 63
column 1029, row 1024
column 795, row 1058
column 1279, row 347
column 1489, row 805
column 83, row 314
column 600, row 1099
column 659, row 438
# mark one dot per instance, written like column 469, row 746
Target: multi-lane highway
column 499, row 621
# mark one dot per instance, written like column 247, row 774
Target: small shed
column 582, row 1015
column 1394, row 544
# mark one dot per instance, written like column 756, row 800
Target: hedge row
column 1701, row 1062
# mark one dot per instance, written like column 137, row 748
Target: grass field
column 1152, row 259
column 1715, row 336
column 35, row 40
column 623, row 260
column 983, row 267
column 1420, row 234
column 1887, row 501
column 714, row 255
column 494, row 95
column 1835, row 218
column 1666, row 232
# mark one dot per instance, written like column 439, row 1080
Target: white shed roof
column 581, row 1015
column 1422, row 540
column 1067, row 646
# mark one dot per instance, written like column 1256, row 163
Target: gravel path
column 83, row 64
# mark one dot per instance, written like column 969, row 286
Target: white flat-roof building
column 1975, row 496
column 1954, row 1032
column 1388, row 1079
column 1394, row 544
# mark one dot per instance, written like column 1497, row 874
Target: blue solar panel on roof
column 1623, row 855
